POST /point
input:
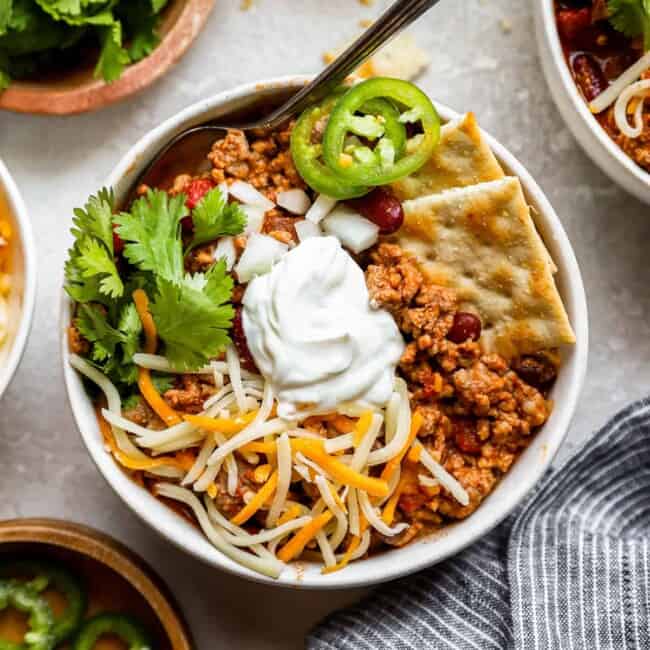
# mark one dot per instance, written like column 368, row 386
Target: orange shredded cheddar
column 148, row 390
column 391, row 466
column 293, row 512
column 361, row 428
column 295, row 546
column 222, row 425
column 339, row 471
column 213, row 490
column 388, row 513
column 261, row 473
column 352, row 547
column 257, row 501
column 414, row 454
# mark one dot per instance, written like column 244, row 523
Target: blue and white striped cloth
column 570, row 569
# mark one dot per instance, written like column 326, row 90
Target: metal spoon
column 199, row 138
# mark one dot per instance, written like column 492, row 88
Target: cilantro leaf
column 113, row 57
column 91, row 322
column 95, row 260
column 91, row 273
column 151, row 231
column 130, row 326
column 632, row 18
column 214, row 217
column 194, row 322
column 96, row 218
column 5, row 15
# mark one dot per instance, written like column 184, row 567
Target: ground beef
column 478, row 412
column 142, row 414
column 76, row 342
column 261, row 159
column 190, row 393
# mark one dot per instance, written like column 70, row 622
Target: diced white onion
column 306, row 229
column 254, row 218
column 321, row 207
column 611, row 93
column 351, row 229
column 248, row 195
column 225, row 250
column 444, row 477
column 271, row 568
column 294, row 201
column 260, row 254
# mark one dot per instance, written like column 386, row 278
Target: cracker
column 481, row 241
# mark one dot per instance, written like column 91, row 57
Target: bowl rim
column 592, row 137
column 151, row 511
column 108, row 551
column 21, row 219
column 94, row 94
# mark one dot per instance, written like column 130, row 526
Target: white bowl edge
column 11, row 356
column 422, row 553
column 603, row 151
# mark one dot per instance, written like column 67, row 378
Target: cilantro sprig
column 632, row 18
column 192, row 312
column 35, row 32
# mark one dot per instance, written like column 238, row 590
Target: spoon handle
column 398, row 16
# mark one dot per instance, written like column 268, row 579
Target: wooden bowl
column 78, row 91
column 117, row 579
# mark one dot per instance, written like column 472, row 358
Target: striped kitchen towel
column 570, row 569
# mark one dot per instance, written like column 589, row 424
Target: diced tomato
column 466, row 437
column 195, row 190
column 572, row 22
column 409, row 503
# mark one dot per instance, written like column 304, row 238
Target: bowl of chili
column 18, row 269
column 582, row 56
column 531, row 465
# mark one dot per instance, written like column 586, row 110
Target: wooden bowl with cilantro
column 73, row 56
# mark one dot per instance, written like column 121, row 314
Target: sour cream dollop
column 314, row 335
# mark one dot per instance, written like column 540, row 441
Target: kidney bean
column 465, row 436
column 588, row 75
column 239, row 339
column 465, row 327
column 381, row 207
column 538, row 371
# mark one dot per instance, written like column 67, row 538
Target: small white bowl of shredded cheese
column 576, row 112
column 17, row 277
column 533, row 463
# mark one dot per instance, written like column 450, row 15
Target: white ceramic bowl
column 23, row 278
column 521, row 478
column 585, row 128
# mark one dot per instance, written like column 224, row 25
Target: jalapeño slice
column 390, row 159
column 307, row 155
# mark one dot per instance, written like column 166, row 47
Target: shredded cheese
column 257, row 502
column 222, row 425
column 391, row 466
column 295, row 546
